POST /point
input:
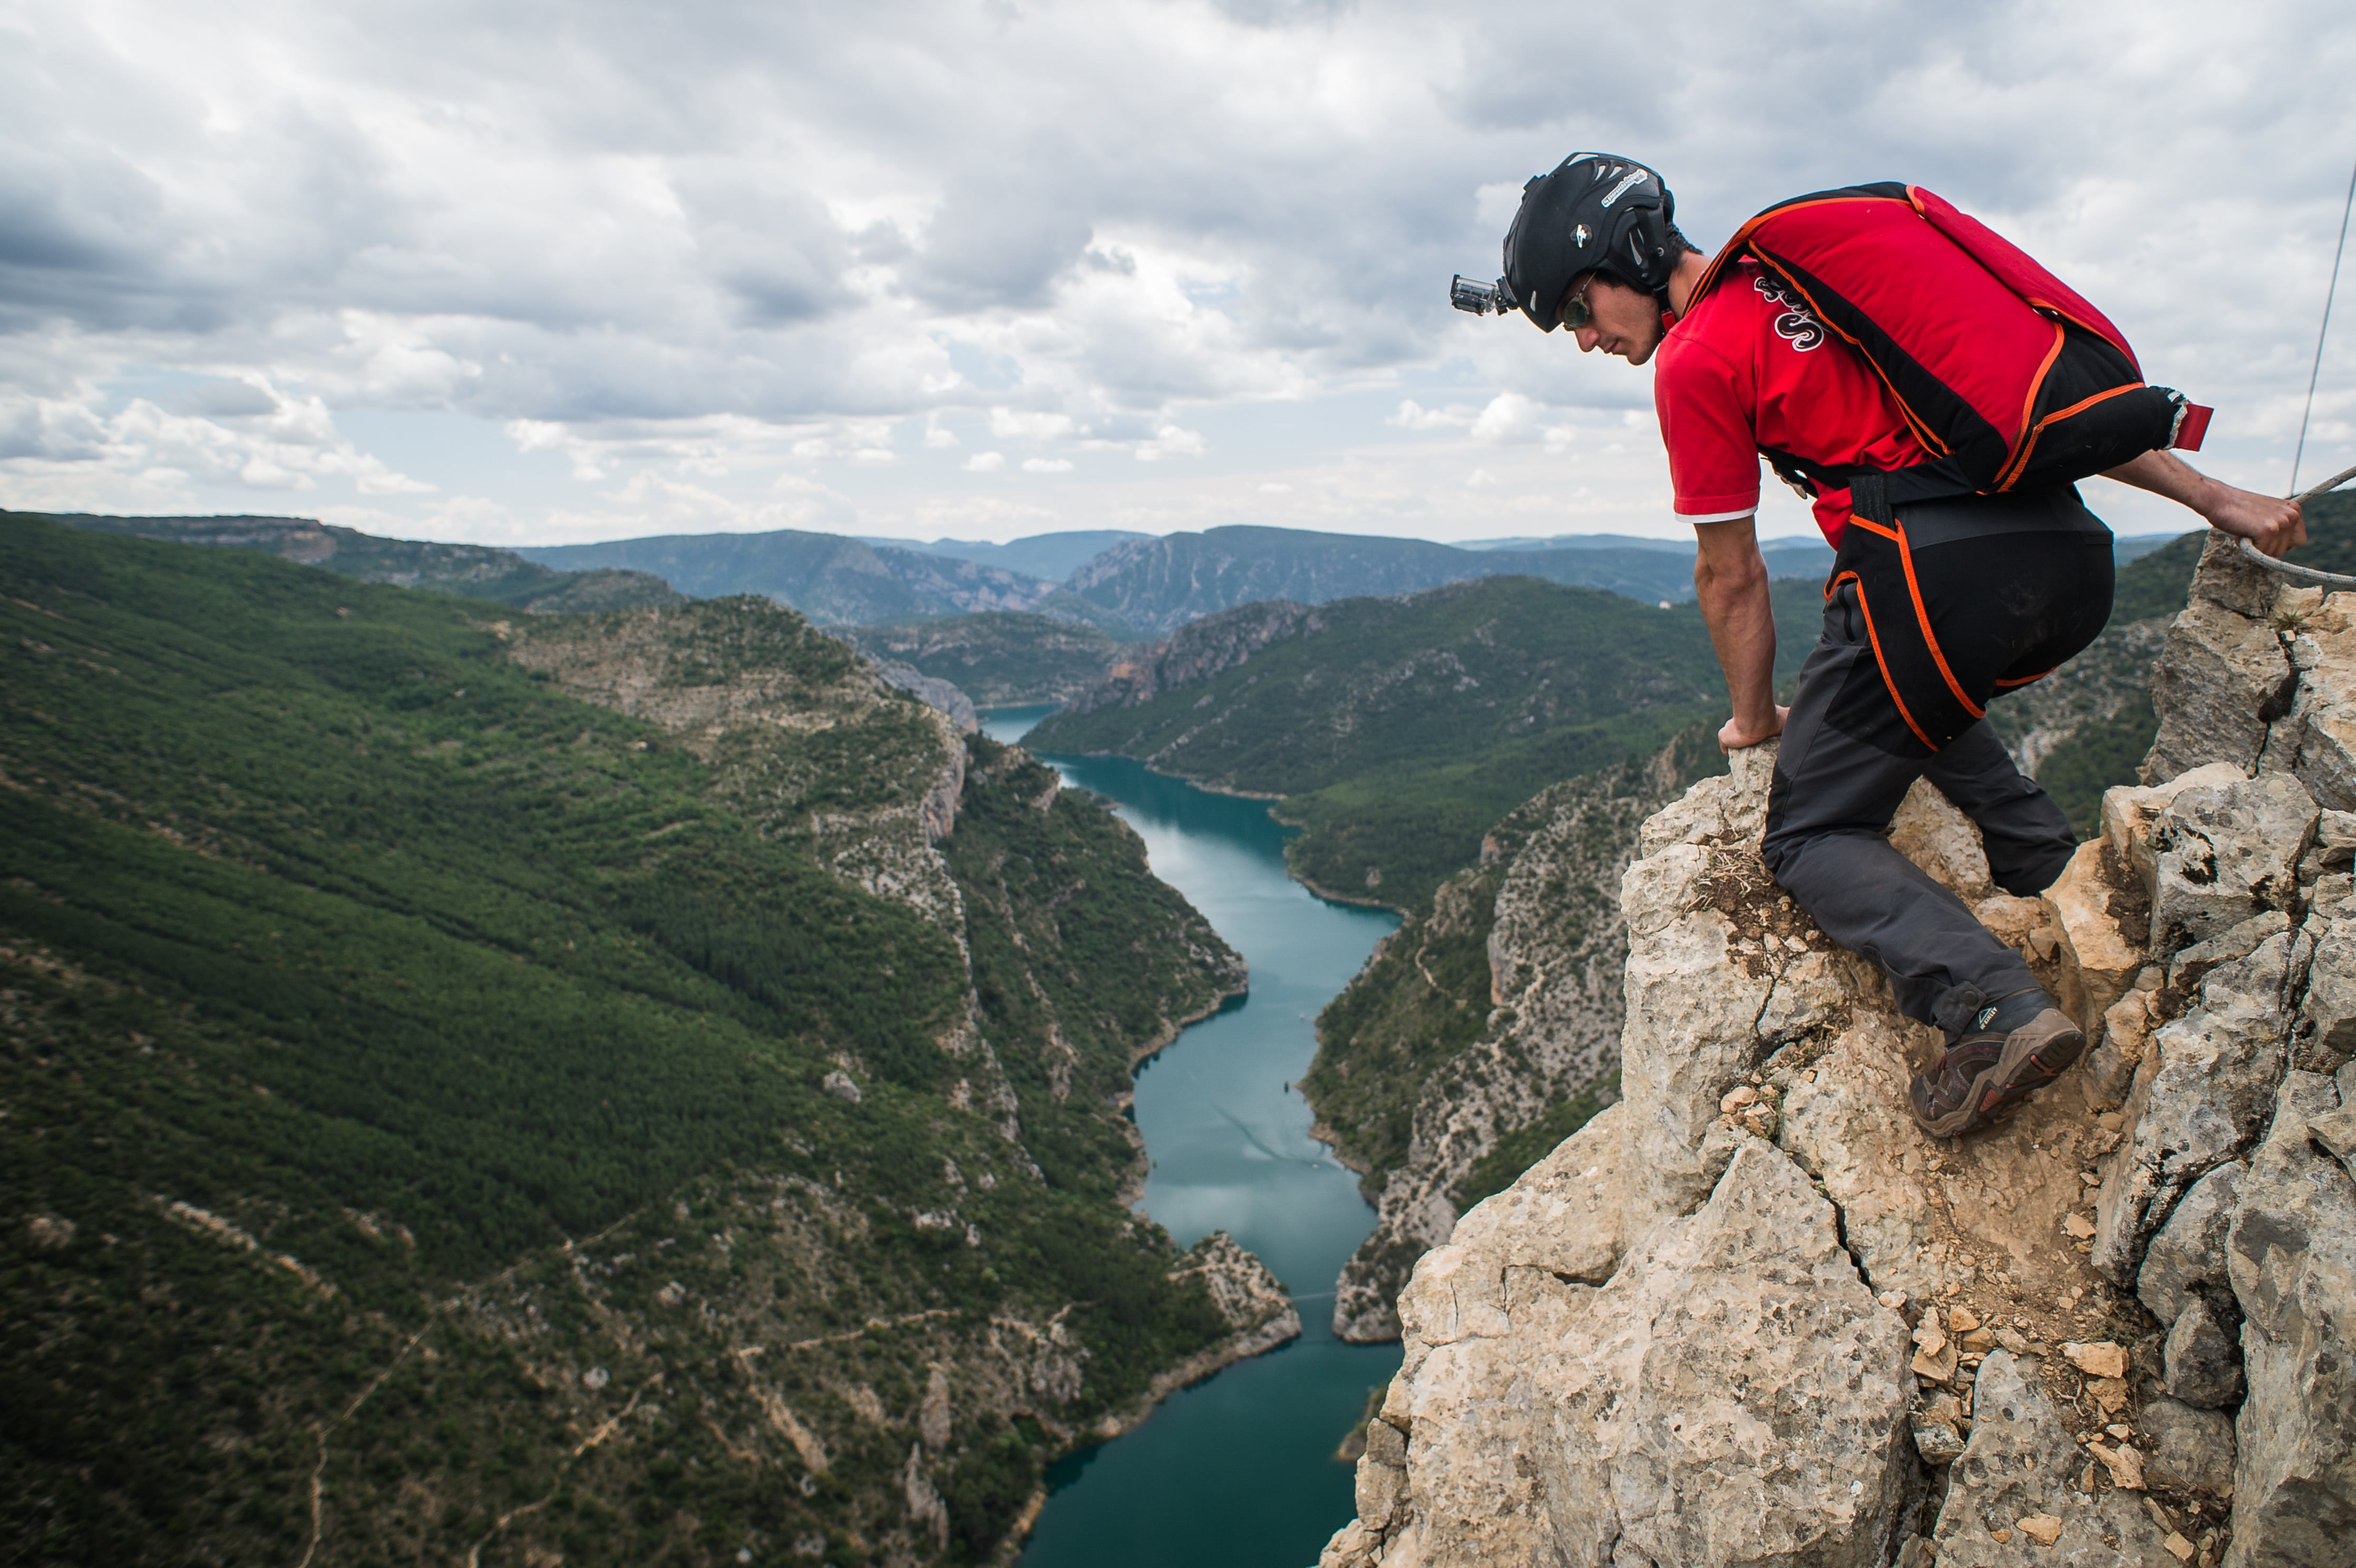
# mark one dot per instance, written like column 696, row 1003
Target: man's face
column 1621, row 321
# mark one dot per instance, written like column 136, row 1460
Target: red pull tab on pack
column 2193, row 427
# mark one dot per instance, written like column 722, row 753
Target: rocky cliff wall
column 1752, row 1314
column 1544, row 903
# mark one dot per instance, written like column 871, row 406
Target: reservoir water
column 1238, row 1469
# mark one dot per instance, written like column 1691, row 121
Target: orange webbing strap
column 1873, row 636
column 1915, row 668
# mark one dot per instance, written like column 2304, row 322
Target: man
column 2006, row 586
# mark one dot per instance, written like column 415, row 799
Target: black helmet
column 1594, row 214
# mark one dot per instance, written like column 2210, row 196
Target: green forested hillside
column 1399, row 730
column 1001, row 658
column 439, row 1121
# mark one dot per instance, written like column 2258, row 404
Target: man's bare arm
column 2274, row 526
column 1731, row 579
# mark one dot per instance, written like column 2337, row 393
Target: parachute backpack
column 2008, row 377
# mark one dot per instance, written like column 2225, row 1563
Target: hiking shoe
column 1991, row 1068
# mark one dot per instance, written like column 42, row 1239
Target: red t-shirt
column 1748, row 370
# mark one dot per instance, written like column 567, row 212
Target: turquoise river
column 1240, row 1469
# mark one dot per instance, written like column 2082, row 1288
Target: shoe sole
column 2034, row 1055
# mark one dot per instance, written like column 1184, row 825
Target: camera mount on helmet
column 1480, row 299
column 1596, row 213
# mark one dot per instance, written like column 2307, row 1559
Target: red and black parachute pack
column 2008, row 377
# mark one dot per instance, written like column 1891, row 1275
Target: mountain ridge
column 475, row 571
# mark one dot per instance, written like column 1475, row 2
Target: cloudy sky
column 536, row 273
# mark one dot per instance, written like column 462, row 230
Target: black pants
column 1926, row 620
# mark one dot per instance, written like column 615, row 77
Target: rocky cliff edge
column 1753, row 1315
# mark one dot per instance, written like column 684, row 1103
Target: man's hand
column 2274, row 526
column 1734, row 735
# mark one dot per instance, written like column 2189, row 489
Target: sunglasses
column 1575, row 312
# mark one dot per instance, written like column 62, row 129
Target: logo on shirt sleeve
column 1793, row 323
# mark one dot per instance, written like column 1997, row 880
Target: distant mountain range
column 832, row 579
column 1131, row 587
column 1128, row 584
column 1052, row 556
column 1157, row 585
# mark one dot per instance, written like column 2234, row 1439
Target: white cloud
column 768, row 240
column 1028, row 424
column 1413, row 415
column 1170, row 441
column 985, row 462
column 1046, row 464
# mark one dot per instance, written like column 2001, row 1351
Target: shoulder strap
column 1740, row 245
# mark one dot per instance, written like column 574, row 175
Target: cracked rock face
column 2203, row 1092
column 2193, row 1450
column 2190, row 1249
column 1740, row 1349
column 2292, row 1254
column 1703, row 906
column 2182, row 1209
column 2224, row 853
column 2020, row 1470
column 2203, row 1363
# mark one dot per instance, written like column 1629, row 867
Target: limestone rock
column 2224, row 677
column 1563, row 1215
column 933, row 1416
column 2017, row 1474
column 2203, row 1363
column 2187, row 967
column 1709, row 996
column 2128, row 810
column 1929, row 832
column 2190, row 1249
column 1551, row 1422
column 2224, row 853
column 2193, row 1450
column 1558, row 949
column 2292, row 1254
column 2100, row 1359
column 2204, row 1090
column 1733, row 805
column 2100, row 909
column 1997, row 1196
column 2321, row 724
column 1259, row 1314
column 2110, row 1068
column 2329, row 1010
column 2336, row 1130
column 935, row 692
